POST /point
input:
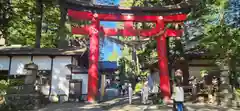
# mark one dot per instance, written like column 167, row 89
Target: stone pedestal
column 225, row 87
column 23, row 98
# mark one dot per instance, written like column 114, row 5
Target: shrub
column 138, row 87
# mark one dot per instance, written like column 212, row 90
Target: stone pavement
column 121, row 104
column 71, row 107
column 169, row 108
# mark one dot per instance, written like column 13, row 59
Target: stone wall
column 22, row 98
column 22, row 102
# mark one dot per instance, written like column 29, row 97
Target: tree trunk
column 39, row 15
column 62, row 29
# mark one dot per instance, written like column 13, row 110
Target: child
column 145, row 91
column 178, row 95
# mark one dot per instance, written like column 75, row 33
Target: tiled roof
column 40, row 51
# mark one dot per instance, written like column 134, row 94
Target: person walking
column 130, row 93
column 145, row 92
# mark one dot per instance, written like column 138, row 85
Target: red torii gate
column 94, row 29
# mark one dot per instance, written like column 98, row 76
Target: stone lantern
column 31, row 73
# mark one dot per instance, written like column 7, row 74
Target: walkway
column 121, row 104
column 71, row 107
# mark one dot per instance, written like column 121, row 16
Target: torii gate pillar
column 163, row 66
column 93, row 60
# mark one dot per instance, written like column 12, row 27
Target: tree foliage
column 19, row 18
column 220, row 34
column 3, row 87
column 222, row 40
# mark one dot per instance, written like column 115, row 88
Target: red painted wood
column 115, row 32
column 173, row 33
column 81, row 15
column 128, row 30
column 80, row 30
column 163, row 67
column 93, row 61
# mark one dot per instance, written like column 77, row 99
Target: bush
column 16, row 82
column 138, row 87
column 3, row 87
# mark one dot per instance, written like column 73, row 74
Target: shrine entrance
column 128, row 16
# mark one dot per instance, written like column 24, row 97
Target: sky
column 108, row 46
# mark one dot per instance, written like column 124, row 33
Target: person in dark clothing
column 120, row 88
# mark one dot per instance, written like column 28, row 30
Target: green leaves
column 221, row 40
column 221, row 3
column 19, row 27
column 3, row 87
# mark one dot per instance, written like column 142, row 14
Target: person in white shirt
column 178, row 94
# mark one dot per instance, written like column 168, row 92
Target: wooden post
column 93, row 60
column 103, row 85
column 163, row 67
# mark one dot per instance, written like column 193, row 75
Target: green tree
column 221, row 40
column 62, row 30
column 5, row 17
column 21, row 19
column 51, row 24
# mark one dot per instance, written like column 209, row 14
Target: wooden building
column 195, row 60
column 52, row 63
